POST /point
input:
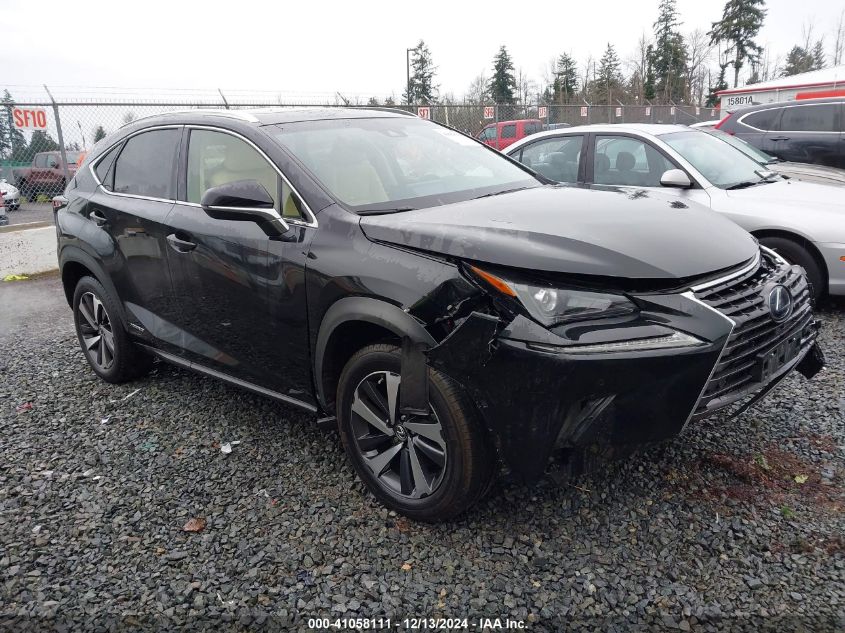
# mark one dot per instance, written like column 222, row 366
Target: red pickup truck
column 46, row 174
column 500, row 135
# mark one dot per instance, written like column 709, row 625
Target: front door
column 619, row 161
column 241, row 294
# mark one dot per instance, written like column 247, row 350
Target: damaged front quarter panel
column 534, row 397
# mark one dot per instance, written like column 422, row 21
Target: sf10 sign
column 542, row 112
column 489, row 112
column 424, row 112
column 29, row 118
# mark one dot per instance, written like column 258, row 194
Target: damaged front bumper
column 537, row 390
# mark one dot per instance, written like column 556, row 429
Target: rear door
column 128, row 210
column 241, row 294
column 808, row 133
column 507, row 135
column 557, row 157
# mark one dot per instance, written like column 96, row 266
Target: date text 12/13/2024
column 415, row 624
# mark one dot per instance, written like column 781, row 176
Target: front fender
column 368, row 310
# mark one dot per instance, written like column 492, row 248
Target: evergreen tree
column 12, row 140
column 566, row 79
column 799, row 60
column 721, row 84
column 608, row 81
column 648, row 84
column 669, row 57
column 502, row 87
column 741, row 22
column 422, row 87
column 819, row 56
column 99, row 133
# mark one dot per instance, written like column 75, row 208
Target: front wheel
column 428, row 467
column 795, row 253
column 102, row 337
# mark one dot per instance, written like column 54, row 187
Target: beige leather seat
column 354, row 179
column 241, row 162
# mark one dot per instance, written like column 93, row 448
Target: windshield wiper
column 499, row 193
column 385, row 211
column 765, row 179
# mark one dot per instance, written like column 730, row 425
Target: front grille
column 743, row 300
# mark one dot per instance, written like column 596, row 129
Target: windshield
column 399, row 163
column 746, row 148
column 721, row 164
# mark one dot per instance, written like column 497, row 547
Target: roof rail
column 386, row 109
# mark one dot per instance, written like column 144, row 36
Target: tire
column 25, row 189
column 96, row 316
column 428, row 491
column 795, row 253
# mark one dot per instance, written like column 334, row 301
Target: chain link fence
column 43, row 143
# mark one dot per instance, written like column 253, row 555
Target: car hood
column 791, row 194
column 574, row 230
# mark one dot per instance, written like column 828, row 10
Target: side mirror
column 675, row 178
column 245, row 201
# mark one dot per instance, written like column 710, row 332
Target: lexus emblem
column 780, row 303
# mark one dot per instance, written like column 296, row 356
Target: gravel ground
column 712, row 531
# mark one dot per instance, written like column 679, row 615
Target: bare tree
column 699, row 50
column 838, row 40
column 524, row 88
column 477, row 90
column 637, row 66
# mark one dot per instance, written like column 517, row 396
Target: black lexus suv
column 448, row 309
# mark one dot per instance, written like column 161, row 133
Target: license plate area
column 770, row 362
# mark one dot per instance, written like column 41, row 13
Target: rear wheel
column 102, row 337
column 795, row 253
column 26, row 190
column 429, row 467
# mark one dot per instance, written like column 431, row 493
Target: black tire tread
column 796, row 253
column 131, row 361
column 477, row 456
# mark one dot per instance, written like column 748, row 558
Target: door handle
column 780, row 138
column 98, row 218
column 179, row 245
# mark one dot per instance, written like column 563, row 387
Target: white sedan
column 804, row 222
column 11, row 195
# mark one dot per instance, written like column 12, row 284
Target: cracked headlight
column 556, row 305
column 550, row 305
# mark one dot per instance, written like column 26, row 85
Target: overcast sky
column 312, row 48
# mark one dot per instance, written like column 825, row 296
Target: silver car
column 803, row 221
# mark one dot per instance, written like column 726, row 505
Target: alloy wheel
column 96, row 329
column 406, row 454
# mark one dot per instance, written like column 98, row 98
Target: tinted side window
column 147, row 164
column 509, row 131
column 104, row 168
column 41, row 160
column 555, row 158
column 763, row 120
column 810, row 118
